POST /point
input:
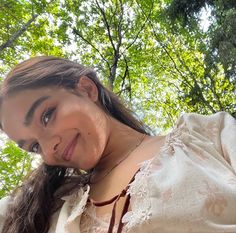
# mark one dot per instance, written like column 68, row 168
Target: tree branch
column 18, row 33
column 117, row 48
column 126, row 73
column 196, row 84
column 107, row 24
column 76, row 32
column 141, row 29
column 175, row 65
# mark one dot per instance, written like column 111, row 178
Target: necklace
column 119, row 162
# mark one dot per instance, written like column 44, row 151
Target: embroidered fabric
column 139, row 188
column 141, row 207
column 90, row 223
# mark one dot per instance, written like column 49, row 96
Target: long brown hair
column 36, row 200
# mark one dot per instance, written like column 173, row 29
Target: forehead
column 15, row 107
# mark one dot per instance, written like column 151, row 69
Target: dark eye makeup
column 46, row 116
column 34, row 148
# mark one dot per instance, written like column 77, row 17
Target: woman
column 102, row 171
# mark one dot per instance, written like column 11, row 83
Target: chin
column 86, row 166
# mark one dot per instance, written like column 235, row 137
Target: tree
column 219, row 46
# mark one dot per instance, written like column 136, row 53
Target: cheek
column 92, row 144
column 67, row 113
column 94, row 135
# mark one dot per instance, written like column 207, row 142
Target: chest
column 115, row 183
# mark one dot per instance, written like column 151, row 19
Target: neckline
column 142, row 165
column 116, row 197
column 126, row 193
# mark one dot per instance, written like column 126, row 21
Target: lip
column 70, row 149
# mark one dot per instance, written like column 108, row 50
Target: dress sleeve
column 3, row 210
column 219, row 128
column 228, row 139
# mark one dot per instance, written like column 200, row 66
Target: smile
column 70, row 149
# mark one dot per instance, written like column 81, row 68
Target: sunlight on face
column 66, row 129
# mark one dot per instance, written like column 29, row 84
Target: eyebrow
column 29, row 115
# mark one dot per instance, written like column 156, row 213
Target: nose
column 49, row 146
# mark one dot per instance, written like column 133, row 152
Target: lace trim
column 174, row 138
column 77, row 201
column 91, row 223
column 142, row 205
column 139, row 189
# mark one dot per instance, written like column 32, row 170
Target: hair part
column 40, row 188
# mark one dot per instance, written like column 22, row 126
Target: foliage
column 154, row 54
column 14, row 164
column 24, row 28
column 220, row 46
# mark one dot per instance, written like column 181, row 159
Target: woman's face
column 67, row 128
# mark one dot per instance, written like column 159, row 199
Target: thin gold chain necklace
column 119, row 162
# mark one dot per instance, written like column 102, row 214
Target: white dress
column 189, row 187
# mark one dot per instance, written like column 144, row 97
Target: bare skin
column 118, row 179
column 98, row 140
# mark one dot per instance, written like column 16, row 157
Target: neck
column 121, row 140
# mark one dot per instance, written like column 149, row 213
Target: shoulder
column 218, row 128
column 204, row 123
column 4, row 203
column 196, row 119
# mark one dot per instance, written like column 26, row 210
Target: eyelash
column 32, row 148
column 48, row 113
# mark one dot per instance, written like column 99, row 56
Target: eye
column 46, row 116
column 34, row 148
